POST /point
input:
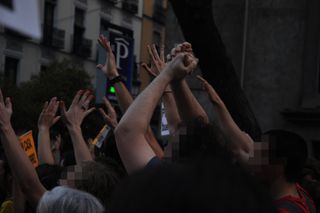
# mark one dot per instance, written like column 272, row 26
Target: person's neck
column 281, row 188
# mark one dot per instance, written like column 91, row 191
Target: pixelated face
column 263, row 163
column 71, row 176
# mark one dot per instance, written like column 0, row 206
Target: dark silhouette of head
column 203, row 186
column 96, row 178
column 289, row 150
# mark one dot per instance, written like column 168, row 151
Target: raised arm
column 110, row 117
column 46, row 120
column 241, row 143
column 19, row 199
column 110, row 70
column 157, row 65
column 134, row 150
column 123, row 95
column 188, row 106
column 20, row 164
column 73, row 118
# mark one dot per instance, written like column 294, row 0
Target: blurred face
column 71, row 175
column 263, row 165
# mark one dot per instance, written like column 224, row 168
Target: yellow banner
column 27, row 144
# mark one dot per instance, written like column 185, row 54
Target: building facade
column 274, row 47
column 70, row 31
column 153, row 31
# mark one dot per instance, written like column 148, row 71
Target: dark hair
column 109, row 149
column 112, row 164
column 203, row 139
column 290, row 149
column 205, row 186
column 49, row 175
column 99, row 180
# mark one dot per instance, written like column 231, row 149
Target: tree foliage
column 60, row 79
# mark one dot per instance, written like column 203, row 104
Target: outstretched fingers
column 89, row 111
column 76, row 98
column 8, row 104
column 148, row 69
column 45, row 107
column 51, row 105
column 151, row 53
column 162, row 53
column 110, row 117
column 203, row 81
column 155, row 53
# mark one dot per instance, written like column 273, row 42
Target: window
column 107, row 26
column 48, row 22
column 79, row 29
column 157, row 38
column 130, row 5
column 7, row 3
column 11, row 70
column 158, row 12
column 14, row 34
column 104, row 25
column 43, row 68
column 79, row 17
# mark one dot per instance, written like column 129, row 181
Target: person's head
column 310, row 180
column 63, row 199
column 205, row 186
column 93, row 177
column 202, row 139
column 280, row 154
column 49, row 175
column 109, row 149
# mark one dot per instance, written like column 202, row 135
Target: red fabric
column 299, row 201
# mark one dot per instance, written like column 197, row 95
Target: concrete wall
column 274, row 51
column 273, row 73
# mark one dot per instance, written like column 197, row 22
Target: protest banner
column 27, row 144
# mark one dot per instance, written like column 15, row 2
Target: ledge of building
column 309, row 116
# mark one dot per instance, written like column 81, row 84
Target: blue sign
column 122, row 47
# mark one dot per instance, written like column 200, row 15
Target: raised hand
column 48, row 116
column 110, row 67
column 181, row 65
column 158, row 61
column 184, row 47
column 213, row 95
column 111, row 117
column 78, row 109
column 5, row 111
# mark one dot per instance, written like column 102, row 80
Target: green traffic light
column 112, row 90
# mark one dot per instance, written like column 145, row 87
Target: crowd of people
column 222, row 170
